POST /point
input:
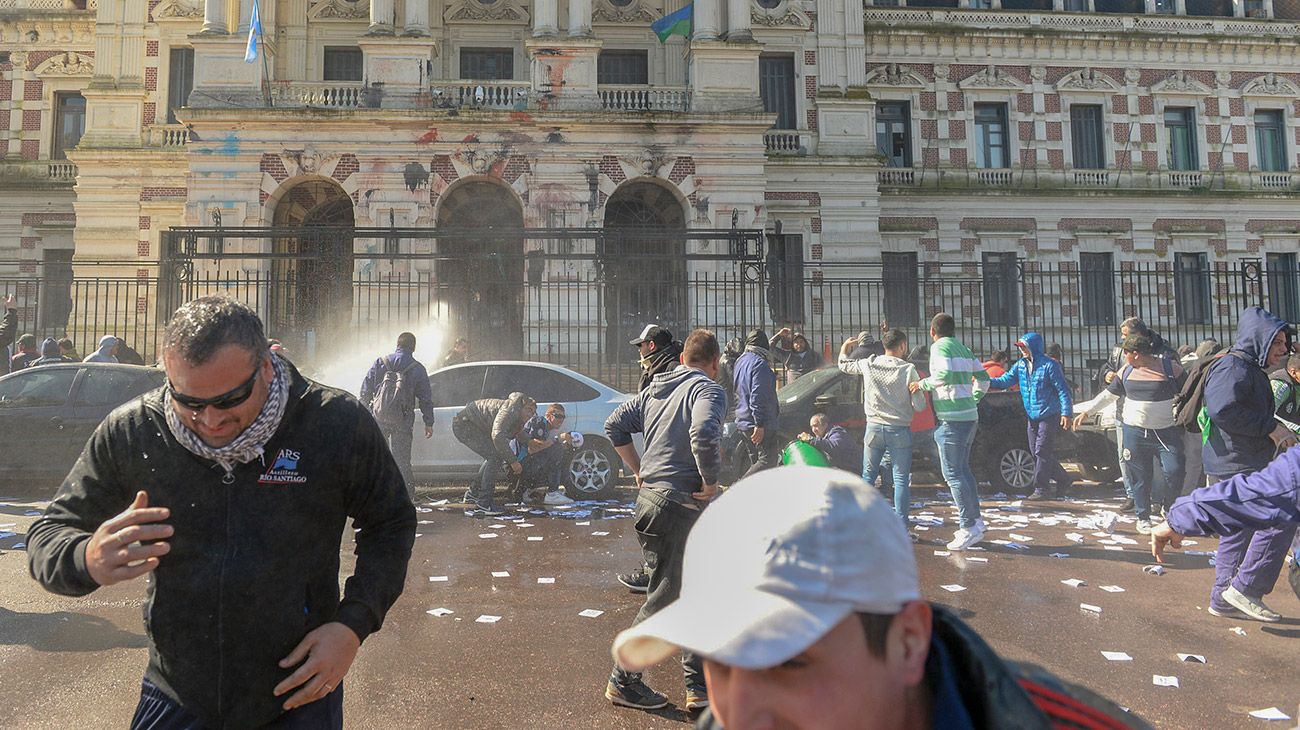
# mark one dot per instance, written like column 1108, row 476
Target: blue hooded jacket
column 756, row 402
column 1043, row 388
column 1239, row 400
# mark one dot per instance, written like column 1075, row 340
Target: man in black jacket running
column 231, row 486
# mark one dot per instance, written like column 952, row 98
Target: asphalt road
column 78, row 662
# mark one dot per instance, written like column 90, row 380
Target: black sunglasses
column 225, row 401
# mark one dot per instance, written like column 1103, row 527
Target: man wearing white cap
column 799, row 589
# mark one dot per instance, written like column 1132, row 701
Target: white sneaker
column 965, row 538
column 556, row 499
column 1144, row 527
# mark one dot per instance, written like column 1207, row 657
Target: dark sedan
column 49, row 412
column 1000, row 456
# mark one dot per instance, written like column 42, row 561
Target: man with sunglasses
column 232, row 487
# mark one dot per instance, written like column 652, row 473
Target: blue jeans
column 955, row 439
column 1141, row 446
column 896, row 441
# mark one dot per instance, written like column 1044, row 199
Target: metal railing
column 579, row 310
column 644, row 98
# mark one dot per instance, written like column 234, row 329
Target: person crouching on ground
column 487, row 426
column 844, row 451
column 546, row 451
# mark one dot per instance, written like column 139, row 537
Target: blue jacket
column 844, row 451
column 1043, row 389
column 1269, row 497
column 1239, row 400
column 756, row 403
column 417, row 375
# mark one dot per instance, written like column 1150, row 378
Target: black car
column 1000, row 457
column 49, row 412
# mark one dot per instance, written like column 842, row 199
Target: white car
column 587, row 403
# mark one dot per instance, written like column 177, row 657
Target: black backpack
column 393, row 399
column 1191, row 398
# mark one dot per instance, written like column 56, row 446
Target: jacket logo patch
column 284, row 470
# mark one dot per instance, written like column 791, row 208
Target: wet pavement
column 77, row 662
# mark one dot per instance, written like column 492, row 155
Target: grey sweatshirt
column 885, row 398
column 681, row 414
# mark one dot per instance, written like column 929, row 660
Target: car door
column 443, row 455
column 96, row 393
column 544, row 385
column 34, row 408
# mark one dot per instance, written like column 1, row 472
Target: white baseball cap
column 775, row 564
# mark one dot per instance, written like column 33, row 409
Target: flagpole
column 266, row 75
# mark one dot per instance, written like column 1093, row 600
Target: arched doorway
column 645, row 265
column 311, row 293
column 481, row 267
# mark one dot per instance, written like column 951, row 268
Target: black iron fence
column 575, row 310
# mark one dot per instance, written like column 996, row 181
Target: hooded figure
column 1239, row 400
column 757, row 410
column 106, row 351
column 1043, row 388
column 662, row 360
column 798, row 361
column 50, row 353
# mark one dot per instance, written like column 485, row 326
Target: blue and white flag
column 254, row 34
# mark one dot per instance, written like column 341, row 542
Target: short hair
column 817, row 418
column 701, row 348
column 894, row 339
column 944, row 325
column 201, row 327
column 876, row 628
column 1140, row 344
column 1185, row 350
column 28, row 341
column 555, row 409
column 67, row 343
column 1293, row 362
column 1055, row 350
column 1000, row 356
column 1135, row 325
column 406, row 341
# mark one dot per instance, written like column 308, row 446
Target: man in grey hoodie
column 888, row 405
column 680, row 413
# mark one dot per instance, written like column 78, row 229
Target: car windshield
column 806, row 384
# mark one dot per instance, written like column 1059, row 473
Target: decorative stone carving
column 895, row 75
column 1180, row 83
column 482, row 161
column 497, row 10
column 1269, row 85
column 783, row 14
column 649, row 160
column 623, row 12
column 68, row 64
column 309, row 159
column 339, row 10
column 941, row 71
column 990, row 78
column 1087, row 79
column 1038, row 73
column 178, row 10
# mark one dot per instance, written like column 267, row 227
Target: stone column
column 246, row 14
column 546, row 18
column 707, row 20
column 132, row 58
column 738, row 22
column 580, row 18
column 292, row 60
column 214, row 17
column 381, row 17
column 417, row 18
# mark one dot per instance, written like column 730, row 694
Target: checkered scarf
column 247, row 445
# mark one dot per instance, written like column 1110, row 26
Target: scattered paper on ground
column 440, row 612
column 1074, row 582
column 1196, row 658
column 1271, row 713
column 546, row 580
column 1160, row 680
column 953, row 588
column 599, row 533
column 486, row 619
column 1112, row 589
column 500, row 574
column 590, row 613
column 535, row 538
column 487, row 535
column 437, row 579
column 1090, row 607
column 1117, row 656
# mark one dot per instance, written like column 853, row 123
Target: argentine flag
column 254, row 33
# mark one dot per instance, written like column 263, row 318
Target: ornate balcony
column 645, row 98
column 902, row 179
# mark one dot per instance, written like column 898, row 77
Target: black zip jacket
column 254, row 565
column 500, row 419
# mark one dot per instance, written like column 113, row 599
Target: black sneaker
column 634, row 694
column 638, row 581
column 479, row 510
column 1126, row 506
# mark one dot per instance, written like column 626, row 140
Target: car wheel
column 593, row 471
column 1011, row 469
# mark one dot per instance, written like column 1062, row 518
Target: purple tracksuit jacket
column 1266, row 498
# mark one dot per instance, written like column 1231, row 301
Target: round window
column 769, row 4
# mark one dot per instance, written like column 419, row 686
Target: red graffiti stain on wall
column 428, row 137
column 521, row 117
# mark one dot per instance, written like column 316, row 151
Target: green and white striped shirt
column 957, row 380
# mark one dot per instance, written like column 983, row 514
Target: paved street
column 78, row 662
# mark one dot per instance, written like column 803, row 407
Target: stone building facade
column 979, row 135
